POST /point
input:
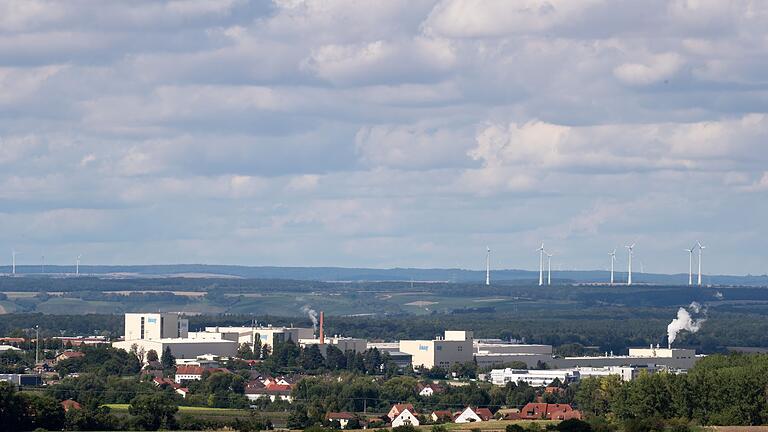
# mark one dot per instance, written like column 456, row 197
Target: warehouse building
column 453, row 347
column 267, row 335
column 672, row 358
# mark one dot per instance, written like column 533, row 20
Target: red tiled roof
column 442, row 414
column 189, row 370
column 71, row 354
column 70, row 404
column 484, row 413
column 277, row 387
column 548, row 411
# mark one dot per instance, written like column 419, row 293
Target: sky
column 390, row 133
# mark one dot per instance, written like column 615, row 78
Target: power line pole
column 37, row 345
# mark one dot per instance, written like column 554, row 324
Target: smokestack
column 322, row 336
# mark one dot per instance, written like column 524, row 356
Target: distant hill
column 368, row 274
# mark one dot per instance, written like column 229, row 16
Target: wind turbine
column 541, row 264
column 629, row 276
column 13, row 262
column 77, row 265
column 613, row 260
column 690, row 264
column 549, row 269
column 701, row 247
column 488, row 267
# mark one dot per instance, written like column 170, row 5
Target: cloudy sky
column 384, row 133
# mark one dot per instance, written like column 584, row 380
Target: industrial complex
column 161, row 331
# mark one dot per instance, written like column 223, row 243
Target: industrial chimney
column 322, row 335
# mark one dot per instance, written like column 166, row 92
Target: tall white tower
column 613, row 260
column 690, row 265
column 488, row 267
column 700, row 249
column 629, row 274
column 549, row 269
column 541, row 264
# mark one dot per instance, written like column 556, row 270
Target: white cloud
column 412, row 147
column 655, row 69
column 484, row 18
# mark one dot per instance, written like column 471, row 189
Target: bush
column 678, row 425
column 514, row 428
column 439, row 428
column 644, row 425
column 574, row 425
column 405, row 428
column 601, row 424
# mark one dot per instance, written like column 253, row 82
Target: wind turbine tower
column 613, row 260
column 541, row 264
column 549, row 269
column 488, row 267
column 629, row 274
column 690, row 264
column 77, row 265
column 701, row 247
column 13, row 262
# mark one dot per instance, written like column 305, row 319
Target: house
column 183, row 391
column 66, row 355
column 554, row 390
column 256, row 390
column 467, row 416
column 428, row 390
column 189, row 373
column 544, row 411
column 281, row 380
column 405, row 418
column 342, row 417
column 70, row 404
column 440, row 416
column 160, row 381
column 484, row 413
column 194, row 373
column 397, row 409
column 508, row 414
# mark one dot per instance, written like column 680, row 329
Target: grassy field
column 278, row 418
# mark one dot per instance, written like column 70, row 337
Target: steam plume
column 684, row 321
column 312, row 315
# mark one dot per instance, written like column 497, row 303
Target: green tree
column 334, row 358
column 151, row 412
column 311, row 358
column 152, row 355
column 244, row 351
column 12, row 407
column 43, row 412
column 168, row 360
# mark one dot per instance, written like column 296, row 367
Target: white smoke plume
column 684, row 321
column 312, row 315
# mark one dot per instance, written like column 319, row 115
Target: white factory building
column 534, row 378
column 543, row 378
column 267, row 335
column 158, row 331
column 340, row 342
column 673, row 358
column 453, row 347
